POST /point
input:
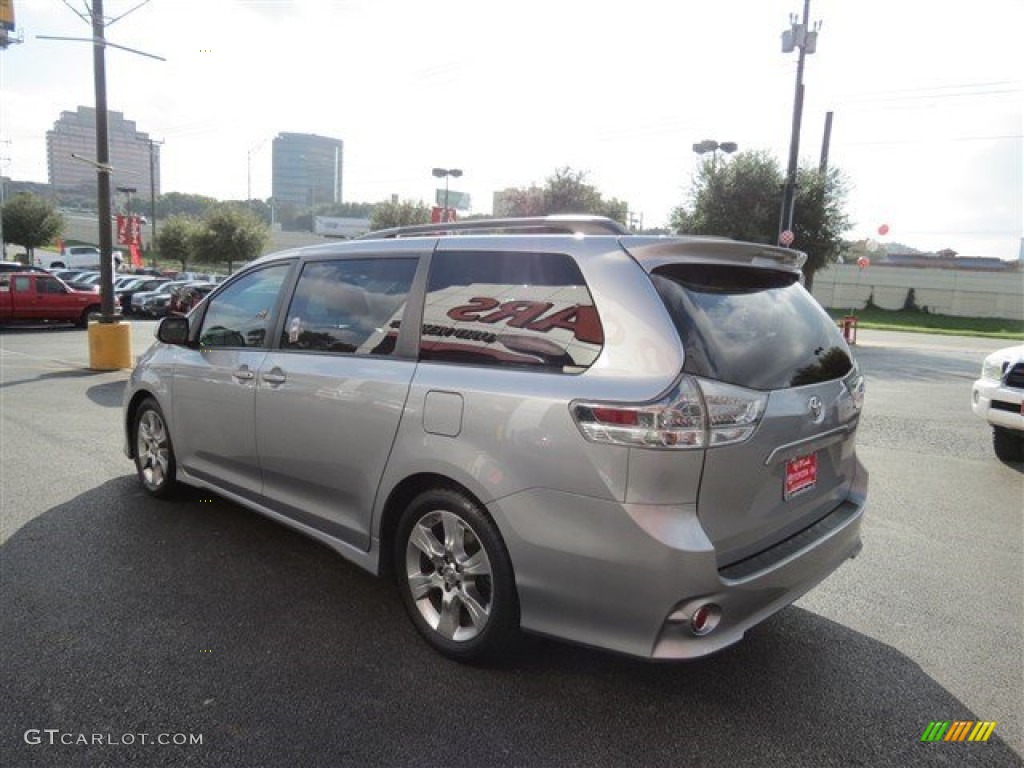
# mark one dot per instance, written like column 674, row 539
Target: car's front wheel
column 154, row 454
column 455, row 576
column 1008, row 444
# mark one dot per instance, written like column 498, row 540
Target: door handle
column 243, row 374
column 275, row 376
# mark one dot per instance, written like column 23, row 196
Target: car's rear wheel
column 455, row 576
column 154, row 454
column 1008, row 444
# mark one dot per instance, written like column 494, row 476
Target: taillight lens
column 733, row 412
column 695, row 413
column 854, row 383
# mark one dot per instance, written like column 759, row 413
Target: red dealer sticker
column 801, row 475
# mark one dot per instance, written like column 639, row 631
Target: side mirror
column 173, row 330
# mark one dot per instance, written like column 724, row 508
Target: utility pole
column 110, row 338
column 799, row 35
column 152, row 192
column 103, row 167
column 825, row 142
column 3, row 245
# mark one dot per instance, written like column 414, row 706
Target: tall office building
column 306, row 169
column 75, row 132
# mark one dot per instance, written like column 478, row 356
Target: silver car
column 644, row 444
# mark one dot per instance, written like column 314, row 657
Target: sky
column 928, row 98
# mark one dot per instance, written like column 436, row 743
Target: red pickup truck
column 36, row 297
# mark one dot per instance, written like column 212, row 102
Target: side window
column 48, row 285
column 240, row 315
column 351, row 305
column 530, row 310
column 22, row 283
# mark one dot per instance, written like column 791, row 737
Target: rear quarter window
column 750, row 326
column 521, row 310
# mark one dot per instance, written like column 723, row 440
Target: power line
column 924, row 88
column 933, row 140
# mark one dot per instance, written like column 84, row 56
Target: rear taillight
column 854, row 383
column 733, row 412
column 695, row 413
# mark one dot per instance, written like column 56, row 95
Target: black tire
column 155, row 464
column 1008, row 444
column 83, row 320
column 466, row 604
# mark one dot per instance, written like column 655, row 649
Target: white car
column 998, row 397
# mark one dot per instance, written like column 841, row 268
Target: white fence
column 942, row 291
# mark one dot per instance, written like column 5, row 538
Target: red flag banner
column 136, row 256
column 129, row 230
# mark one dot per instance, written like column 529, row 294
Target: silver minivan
column 644, row 444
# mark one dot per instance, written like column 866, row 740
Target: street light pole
column 712, row 146
column 445, row 173
column 799, row 35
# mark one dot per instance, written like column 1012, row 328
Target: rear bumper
column 627, row 577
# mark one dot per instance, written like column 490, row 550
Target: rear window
column 522, row 310
column 751, row 327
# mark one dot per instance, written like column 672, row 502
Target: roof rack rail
column 542, row 225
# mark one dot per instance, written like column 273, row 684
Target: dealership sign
column 458, row 200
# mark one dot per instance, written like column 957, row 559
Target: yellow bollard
column 110, row 346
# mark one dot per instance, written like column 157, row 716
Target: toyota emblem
column 817, row 410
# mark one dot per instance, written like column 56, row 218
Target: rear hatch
column 755, row 340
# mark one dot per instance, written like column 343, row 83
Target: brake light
column 854, row 383
column 620, row 416
column 695, row 413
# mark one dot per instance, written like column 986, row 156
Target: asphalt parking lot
column 123, row 617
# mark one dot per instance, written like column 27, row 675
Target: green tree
column 229, row 233
column 31, row 221
column 346, row 210
column 405, row 213
column 565, row 191
column 172, row 203
column 741, row 199
column 176, row 239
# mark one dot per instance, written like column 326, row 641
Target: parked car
column 67, row 275
column 644, row 444
column 75, row 256
column 86, row 280
column 185, row 297
column 127, row 295
column 16, row 266
column 998, row 398
column 34, row 297
column 122, row 282
column 195, row 276
column 156, row 305
column 139, row 298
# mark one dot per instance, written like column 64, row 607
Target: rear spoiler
column 654, row 252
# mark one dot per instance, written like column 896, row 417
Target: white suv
column 73, row 257
column 998, row 397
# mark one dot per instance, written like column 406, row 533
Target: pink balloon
column 863, row 261
column 883, row 230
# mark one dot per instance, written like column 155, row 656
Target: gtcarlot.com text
column 55, row 736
